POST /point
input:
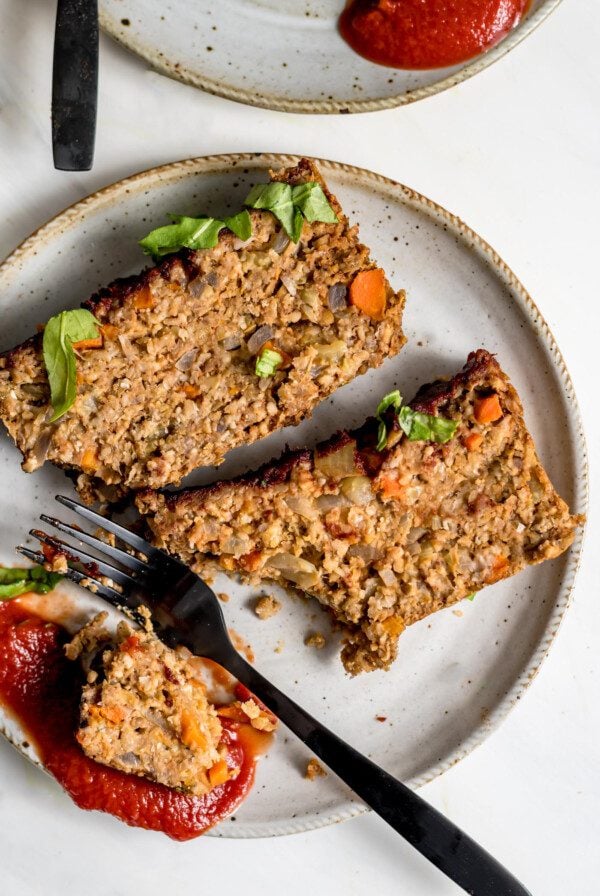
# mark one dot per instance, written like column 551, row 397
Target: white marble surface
column 516, row 153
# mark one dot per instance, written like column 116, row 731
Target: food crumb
column 381, row 718
column 223, row 596
column 457, row 612
column 279, row 647
column 314, row 770
column 267, row 606
column 316, row 639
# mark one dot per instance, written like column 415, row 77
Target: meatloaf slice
column 383, row 538
column 173, row 386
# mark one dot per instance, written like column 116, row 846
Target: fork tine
column 134, row 541
column 128, row 560
column 76, row 554
column 108, row 594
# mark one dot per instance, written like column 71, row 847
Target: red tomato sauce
column 42, row 689
column 421, row 34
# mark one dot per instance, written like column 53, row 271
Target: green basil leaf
column 392, row 399
column 313, row 203
column 240, row 224
column 425, row 427
column 276, row 198
column 14, row 582
column 381, row 436
column 267, row 362
column 193, row 233
column 472, row 595
column 60, row 333
column 297, row 225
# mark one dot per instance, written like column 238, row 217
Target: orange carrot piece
column 81, row 346
column 109, row 331
column 473, row 441
column 143, row 299
column 390, row 487
column 250, row 562
column 393, row 625
column 367, row 293
column 498, row 570
column 218, row 773
column 190, row 731
column 89, row 460
column 191, row 391
column 488, row 409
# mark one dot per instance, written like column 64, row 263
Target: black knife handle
column 431, row 833
column 75, row 84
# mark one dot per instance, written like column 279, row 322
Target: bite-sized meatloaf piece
column 174, row 384
column 383, row 538
column 144, row 710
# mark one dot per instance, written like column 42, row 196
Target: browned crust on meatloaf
column 166, row 392
column 405, row 532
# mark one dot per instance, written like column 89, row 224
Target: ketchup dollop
column 421, row 34
column 42, row 689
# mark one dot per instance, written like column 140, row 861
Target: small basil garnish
column 291, row 205
column 392, row 399
column 415, row 425
column 193, row 233
column 425, row 427
column 60, row 333
column 14, row 582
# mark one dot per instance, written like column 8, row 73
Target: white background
column 516, row 153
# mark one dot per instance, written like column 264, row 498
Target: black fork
column 186, row 611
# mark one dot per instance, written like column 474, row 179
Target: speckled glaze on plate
column 281, row 54
column 459, row 672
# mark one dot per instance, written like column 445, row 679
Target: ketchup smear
column 42, row 689
column 421, row 34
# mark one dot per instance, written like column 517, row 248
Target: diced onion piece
column 338, row 464
column 289, row 284
column 281, row 241
column 337, row 297
column 303, row 506
column 231, row 343
column 365, row 552
column 331, row 502
column 42, row 445
column 357, row 489
column 186, row 360
column 259, row 337
column 126, row 346
column 330, row 352
column 295, row 569
column 388, row 577
column 197, row 286
column 415, row 533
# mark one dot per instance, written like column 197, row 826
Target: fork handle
column 433, row 835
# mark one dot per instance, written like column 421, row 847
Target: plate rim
column 179, row 72
column 219, row 162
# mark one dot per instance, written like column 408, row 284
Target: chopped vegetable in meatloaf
column 144, row 710
column 383, row 538
column 210, row 349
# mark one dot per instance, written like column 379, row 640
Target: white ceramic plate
column 459, row 672
column 281, row 54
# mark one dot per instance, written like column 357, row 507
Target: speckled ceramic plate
column 281, row 54
column 459, row 672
